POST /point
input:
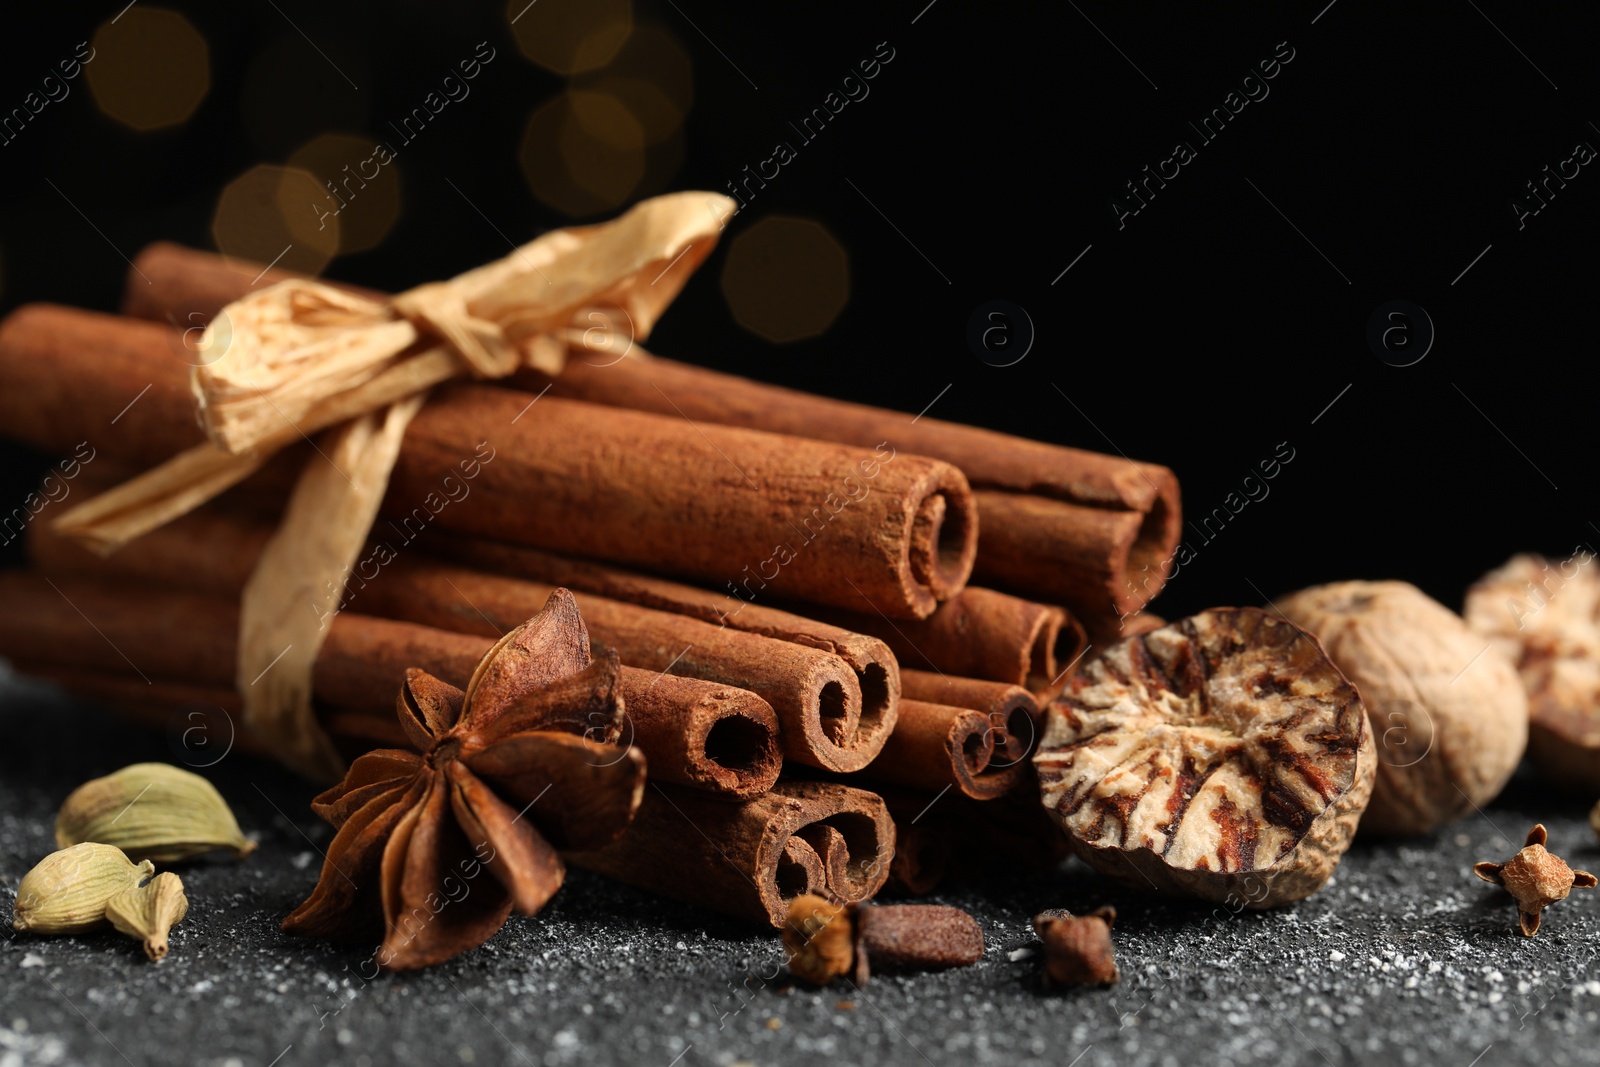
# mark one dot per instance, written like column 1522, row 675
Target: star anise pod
column 1535, row 878
column 521, row 764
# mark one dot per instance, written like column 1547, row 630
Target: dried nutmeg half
column 1077, row 948
column 1222, row 756
column 1449, row 717
column 1545, row 616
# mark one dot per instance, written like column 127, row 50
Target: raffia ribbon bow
column 300, row 357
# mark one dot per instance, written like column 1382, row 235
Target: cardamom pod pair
column 82, row 887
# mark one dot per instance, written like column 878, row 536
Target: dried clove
column 1077, row 948
column 827, row 940
column 1535, row 878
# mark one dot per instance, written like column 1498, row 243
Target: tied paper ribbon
column 300, row 357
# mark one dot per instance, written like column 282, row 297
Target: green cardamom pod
column 151, row 811
column 68, row 890
column 149, row 911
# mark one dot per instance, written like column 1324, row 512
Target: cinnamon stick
column 875, row 665
column 750, row 859
column 875, row 530
column 936, row 746
column 697, row 733
column 1093, row 564
column 1011, row 711
column 826, row 719
column 982, row 633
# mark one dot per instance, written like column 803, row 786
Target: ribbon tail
column 298, row 584
column 106, row 522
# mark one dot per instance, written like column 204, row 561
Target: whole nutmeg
column 1545, row 615
column 1449, row 715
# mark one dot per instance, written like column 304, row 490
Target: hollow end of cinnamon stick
column 937, row 747
column 751, row 858
column 718, row 738
column 1058, row 640
column 943, row 543
column 843, row 719
column 1094, row 560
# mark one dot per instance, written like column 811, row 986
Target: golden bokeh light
column 583, row 152
column 786, row 279
column 277, row 215
column 570, row 36
column 366, row 191
column 150, row 68
column 653, row 76
column 657, row 116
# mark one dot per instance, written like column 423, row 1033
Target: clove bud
column 1535, row 878
column 1077, row 948
column 826, row 940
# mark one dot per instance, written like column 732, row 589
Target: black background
column 1200, row 335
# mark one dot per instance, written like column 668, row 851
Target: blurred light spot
column 583, row 152
column 150, row 68
column 287, row 99
column 277, row 215
column 657, row 116
column 653, row 76
column 570, row 36
column 786, row 279
column 368, row 188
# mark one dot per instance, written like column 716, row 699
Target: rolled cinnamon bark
column 875, row 530
column 1072, row 556
column 750, row 859
column 697, row 733
column 875, row 665
column 981, row 633
column 936, row 746
column 1011, row 711
column 826, row 720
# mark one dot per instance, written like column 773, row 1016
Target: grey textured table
column 1403, row 958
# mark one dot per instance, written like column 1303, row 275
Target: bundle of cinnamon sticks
column 784, row 577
